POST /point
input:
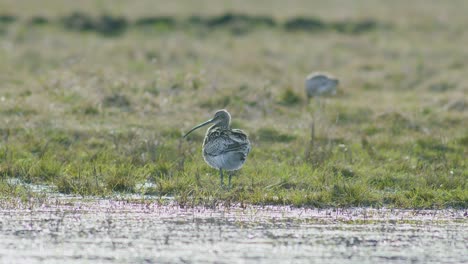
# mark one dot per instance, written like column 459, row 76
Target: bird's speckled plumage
column 224, row 148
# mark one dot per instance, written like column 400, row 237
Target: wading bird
column 223, row 148
column 318, row 84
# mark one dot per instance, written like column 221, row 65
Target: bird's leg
column 230, row 176
column 318, row 107
column 221, row 176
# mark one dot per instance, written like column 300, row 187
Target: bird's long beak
column 198, row 126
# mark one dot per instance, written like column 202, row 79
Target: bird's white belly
column 228, row 161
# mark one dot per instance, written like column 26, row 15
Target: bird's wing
column 224, row 141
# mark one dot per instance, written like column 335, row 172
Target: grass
column 99, row 107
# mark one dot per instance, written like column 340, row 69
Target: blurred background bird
column 320, row 84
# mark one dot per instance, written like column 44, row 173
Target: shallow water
column 108, row 231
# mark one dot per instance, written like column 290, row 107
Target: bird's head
column 221, row 118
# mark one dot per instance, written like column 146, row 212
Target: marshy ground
column 95, row 96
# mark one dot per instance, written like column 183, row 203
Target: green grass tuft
column 289, row 98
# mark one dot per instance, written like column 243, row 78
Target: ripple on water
column 112, row 230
